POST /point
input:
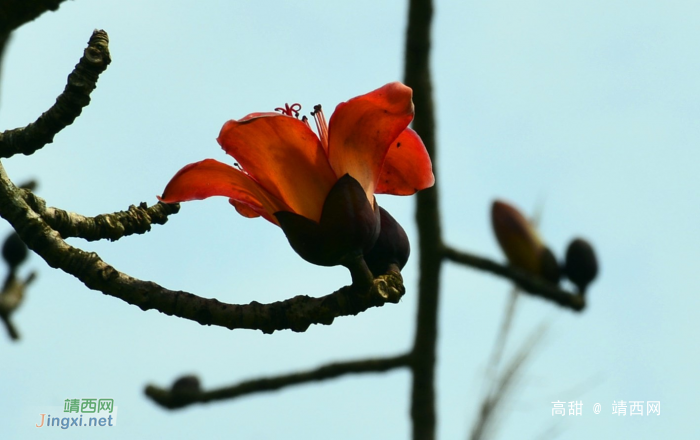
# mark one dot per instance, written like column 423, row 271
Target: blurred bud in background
column 520, row 242
column 14, row 251
column 550, row 269
column 581, row 264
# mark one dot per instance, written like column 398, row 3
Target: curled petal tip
column 407, row 167
column 362, row 130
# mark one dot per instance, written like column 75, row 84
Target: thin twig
column 69, row 104
column 136, row 220
column 492, row 404
column 173, row 399
column 9, row 326
column 529, row 283
column 501, row 338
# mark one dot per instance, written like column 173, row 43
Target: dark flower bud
column 581, row 263
column 348, row 226
column 392, row 246
column 516, row 237
column 549, row 268
column 186, row 385
column 14, row 251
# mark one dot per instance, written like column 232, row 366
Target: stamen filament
column 305, row 120
column 321, row 125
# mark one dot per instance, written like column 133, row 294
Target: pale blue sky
column 589, row 108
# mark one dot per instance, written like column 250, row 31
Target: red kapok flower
column 287, row 172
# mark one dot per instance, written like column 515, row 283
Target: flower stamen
column 321, row 125
column 290, row 110
column 305, row 120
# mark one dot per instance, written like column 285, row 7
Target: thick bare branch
column 529, row 283
column 137, row 220
column 296, row 313
column 4, row 42
column 15, row 13
column 417, row 76
column 174, row 398
column 69, row 104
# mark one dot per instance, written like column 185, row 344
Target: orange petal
column 243, row 209
column 362, row 129
column 407, row 167
column 209, row 177
column 284, row 156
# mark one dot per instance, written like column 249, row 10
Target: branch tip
column 69, row 104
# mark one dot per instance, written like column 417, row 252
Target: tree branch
column 529, row 283
column 296, row 313
column 417, row 76
column 69, row 104
column 137, row 220
column 9, row 326
column 174, row 398
column 15, row 13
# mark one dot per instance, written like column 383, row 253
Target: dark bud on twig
column 186, row 385
column 183, row 391
column 14, row 251
column 391, row 248
column 549, row 268
column 581, row 264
